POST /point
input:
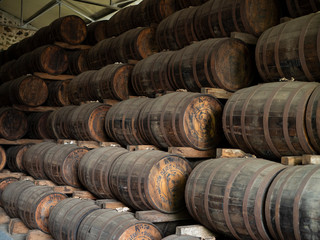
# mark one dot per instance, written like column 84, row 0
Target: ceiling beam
column 75, row 9
column 44, row 9
column 99, row 4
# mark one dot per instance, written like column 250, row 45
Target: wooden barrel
column 66, row 216
column 290, row 50
column 268, row 120
column 33, row 159
column 104, row 223
column 3, row 158
column 8, row 72
column 94, row 168
column 177, row 30
column 182, row 119
column 27, row 90
column 223, row 62
column 291, row 206
column 188, row 3
column 87, row 122
column 182, row 237
column 58, row 93
column 11, row 194
column 4, row 182
column 150, row 179
column 35, row 205
column 77, row 62
column 121, row 122
column 37, row 125
column 70, row 29
column 302, row 7
column 219, row 18
column 151, row 74
column 227, row 195
column 14, row 124
column 15, row 157
column 61, row 164
column 313, row 119
column 96, row 32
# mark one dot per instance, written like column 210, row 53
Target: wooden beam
column 83, row 195
column 4, row 218
column 195, row 231
column 16, row 226
column 311, row 159
column 232, row 153
column 38, row 235
column 72, row 47
column 245, row 37
column 132, row 148
column 48, row 76
column 291, row 160
column 159, row 217
column 192, row 153
column 217, row 92
column 22, row 141
column 35, row 109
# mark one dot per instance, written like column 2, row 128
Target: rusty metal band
column 110, row 219
column 313, row 105
column 263, row 40
column 102, row 172
column 224, row 122
column 220, row 19
column 226, row 196
column 246, row 200
column 268, row 206
column 194, row 64
column 211, row 28
column 180, row 60
column 149, row 127
column 302, row 57
column 266, row 112
column 235, row 5
column 177, row 36
column 276, row 49
column 243, row 118
column 208, row 185
column 285, row 119
column 277, row 204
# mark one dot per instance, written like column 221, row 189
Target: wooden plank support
column 4, row 218
column 195, row 231
column 5, row 171
column 16, row 175
column 67, row 141
column 22, row 141
column 291, row 160
column 72, row 47
column 44, row 183
column 94, row 144
column 38, row 235
column 65, row 189
column 16, row 226
column 48, row 76
column 110, row 203
column 83, row 195
column 159, row 217
column 245, row 37
column 192, row 153
column 34, row 109
column 311, row 159
column 217, row 92
column 132, row 148
column 110, row 101
column 26, row 178
column 232, row 153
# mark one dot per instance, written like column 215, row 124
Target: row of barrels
column 69, row 29
column 255, row 199
column 39, row 207
column 109, row 172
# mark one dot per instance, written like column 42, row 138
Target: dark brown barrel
column 227, row 195
column 188, row 3
column 4, row 182
column 177, row 30
column 87, row 122
column 8, row 72
column 313, row 119
column 219, row 18
column 13, row 123
column 27, row 90
column 121, row 122
column 58, row 93
column 11, row 194
column 291, row 208
column 150, row 179
column 77, row 62
column 37, row 125
column 66, row 216
column 15, row 157
column 34, row 157
column 182, row 237
column 224, row 63
column 3, row 158
column 96, row 32
column 151, row 74
column 61, row 164
column 94, row 170
column 104, row 223
column 299, row 8
column 290, row 50
column 182, row 119
column 35, row 205
column 70, row 29
column 268, row 120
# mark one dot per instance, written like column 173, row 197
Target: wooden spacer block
column 4, row 218
column 110, row 203
column 311, row 159
column 22, row 141
column 192, row 153
column 5, row 171
column 132, row 148
column 48, row 76
column 88, row 144
column 159, row 217
column 72, row 47
column 26, row 178
column 217, row 92
column 110, row 101
column 38, row 235
column 16, row 226
column 35, row 109
column 195, row 231
column 245, row 37
column 67, row 141
column 83, row 195
column 109, row 144
column 65, row 189
column 232, row 153
column 16, row 175
column 291, row 160
column 44, row 183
